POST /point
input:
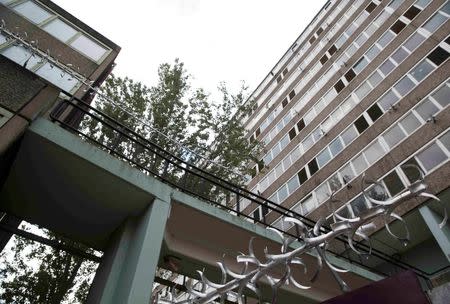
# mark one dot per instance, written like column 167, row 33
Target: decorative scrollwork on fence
column 314, row 240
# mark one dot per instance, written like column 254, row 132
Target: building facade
column 46, row 54
column 364, row 90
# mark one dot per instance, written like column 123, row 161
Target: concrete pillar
column 128, row 267
column 442, row 236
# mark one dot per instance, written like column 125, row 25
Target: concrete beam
column 442, row 236
column 129, row 264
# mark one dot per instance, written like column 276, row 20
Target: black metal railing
column 127, row 144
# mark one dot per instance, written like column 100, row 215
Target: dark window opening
column 339, row 86
column 319, row 31
column 332, row 50
column 253, row 171
column 256, row 215
column 313, row 167
column 374, row 112
column 284, row 102
column 264, row 210
column 300, row 125
column 411, row 173
column 447, row 40
column 398, row 26
column 438, row 56
column 371, row 7
column 393, row 183
column 350, row 75
column 292, row 134
column 323, row 59
column 279, row 78
column 257, row 132
column 285, row 72
column 302, row 177
column 292, row 94
column 412, row 12
column 260, row 166
column 361, row 124
column 252, row 138
column 312, row 39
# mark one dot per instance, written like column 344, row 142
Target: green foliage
column 40, row 274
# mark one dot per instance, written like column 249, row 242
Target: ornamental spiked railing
column 314, row 240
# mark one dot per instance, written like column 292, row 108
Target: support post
column 128, row 266
column 442, row 236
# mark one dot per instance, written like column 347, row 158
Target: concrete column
column 442, row 236
column 127, row 270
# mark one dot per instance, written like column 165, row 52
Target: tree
column 183, row 121
column 39, row 274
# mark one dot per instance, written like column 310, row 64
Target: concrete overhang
column 74, row 188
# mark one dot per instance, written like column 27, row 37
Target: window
column 302, row 177
column 426, row 109
column 399, row 55
column 414, row 41
column 387, row 67
column 445, row 139
column 393, row 183
column 388, row 100
column 394, row 136
column 20, row 55
column 386, row 38
column 56, row 76
column 300, row 125
column 350, row 75
column 373, row 52
column 404, row 86
column 292, row 134
column 309, row 116
column 291, row 94
column 323, row 59
column 307, row 204
column 88, row 47
column 60, row 30
column 359, row 205
column 285, row 72
column 435, row 22
column 360, row 164
column 257, row 132
column 336, row 147
column 284, row 102
column 332, row 50
column 334, row 183
column 32, row 11
column 371, row 7
column 349, row 135
column 374, row 152
column 307, row 143
column 442, row 95
column 378, row 192
column 398, row 26
column 312, row 39
column 363, row 90
column 374, row 112
column 410, row 123
column 279, row 78
column 293, row 184
column 438, row 56
column 339, row 86
column 431, row 157
column 323, row 157
column 312, row 166
column 411, row 173
column 322, row 193
column 422, row 70
column 412, row 12
column 361, row 124
column 347, row 173
column 375, row 78
column 282, row 193
column 360, row 65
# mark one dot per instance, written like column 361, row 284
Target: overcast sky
column 226, row 40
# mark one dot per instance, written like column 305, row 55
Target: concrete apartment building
column 364, row 89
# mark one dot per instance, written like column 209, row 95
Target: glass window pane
column 387, row 67
column 293, row 184
column 445, row 140
column 360, row 164
column 394, row 136
column 431, row 157
column 358, row 205
column 373, row 52
column 347, row 105
column 282, row 194
column 322, row 193
column 378, row 192
column 308, row 205
column 363, row 90
column 32, row 11
column 422, row 70
column 388, row 100
column 442, row 95
column 411, row 173
column 88, row 47
column 307, row 143
column 345, row 212
column 334, row 183
column 309, row 117
column 386, row 38
column 20, row 55
column 347, row 173
column 323, row 158
column 374, row 152
column 393, row 183
column 399, row 55
column 2, row 39
column 336, row 147
column 414, row 41
column 410, row 123
column 426, row 109
column 435, row 22
column 349, row 135
column 360, row 65
column 375, row 78
column 60, row 30
column 404, row 86
column 302, row 176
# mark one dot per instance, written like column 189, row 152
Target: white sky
column 227, row 40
